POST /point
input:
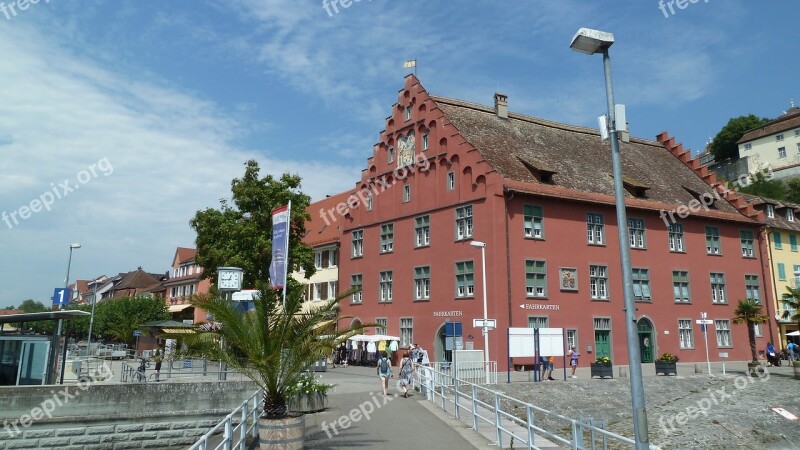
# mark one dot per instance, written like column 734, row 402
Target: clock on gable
column 229, row 278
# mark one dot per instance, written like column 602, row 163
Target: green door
column 602, row 343
column 646, row 340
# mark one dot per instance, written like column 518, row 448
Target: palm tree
column 792, row 302
column 270, row 345
column 749, row 313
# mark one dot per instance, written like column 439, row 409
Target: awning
column 178, row 308
column 177, row 330
column 373, row 338
column 41, row 316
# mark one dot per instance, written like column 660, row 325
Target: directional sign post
column 137, row 333
column 490, row 323
column 703, row 322
column 61, row 297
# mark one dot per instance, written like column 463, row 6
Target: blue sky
column 151, row 108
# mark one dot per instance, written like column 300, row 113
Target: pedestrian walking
column 550, row 363
column 406, row 373
column 384, row 371
column 573, row 360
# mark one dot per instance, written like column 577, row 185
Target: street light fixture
column 60, row 307
column 591, row 42
column 482, row 246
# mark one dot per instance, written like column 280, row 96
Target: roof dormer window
column 770, row 211
column 790, row 215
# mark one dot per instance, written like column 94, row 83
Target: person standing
column 550, row 363
column 158, row 358
column 573, row 360
column 406, row 373
column 384, row 371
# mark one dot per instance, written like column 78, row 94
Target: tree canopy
column 239, row 234
column 724, row 144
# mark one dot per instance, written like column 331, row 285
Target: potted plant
column 308, row 395
column 273, row 345
column 602, row 367
column 749, row 313
column 667, row 364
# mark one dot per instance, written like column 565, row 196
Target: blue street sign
column 61, row 297
column 137, row 333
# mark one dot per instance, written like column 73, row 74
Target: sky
column 120, row 119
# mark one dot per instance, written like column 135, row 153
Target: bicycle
column 139, row 376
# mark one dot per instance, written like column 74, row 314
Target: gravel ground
column 736, row 410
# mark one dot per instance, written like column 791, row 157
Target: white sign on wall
column 521, row 342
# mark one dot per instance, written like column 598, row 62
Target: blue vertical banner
column 280, row 246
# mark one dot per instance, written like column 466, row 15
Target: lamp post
column 482, row 246
column 91, row 321
column 591, row 42
column 61, row 321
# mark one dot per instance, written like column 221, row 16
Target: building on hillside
column 137, row 282
column 775, row 144
column 782, row 262
column 539, row 194
column 323, row 236
column 186, row 280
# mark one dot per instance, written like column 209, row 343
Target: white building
column 775, row 144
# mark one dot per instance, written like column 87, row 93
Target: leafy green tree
column 116, row 318
column 761, row 186
column 724, row 144
column 240, row 234
column 793, row 190
column 32, row 306
column 792, row 302
column 749, row 313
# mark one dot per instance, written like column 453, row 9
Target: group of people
column 790, row 353
column 546, row 364
column 414, row 356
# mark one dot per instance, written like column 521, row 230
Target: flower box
column 602, row 370
column 311, row 402
column 666, row 368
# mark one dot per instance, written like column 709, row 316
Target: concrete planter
column 281, row 434
column 755, row 368
column 313, row 402
column 796, row 371
column 666, row 368
column 602, row 371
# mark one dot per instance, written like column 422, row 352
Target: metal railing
column 178, row 368
column 234, row 428
column 482, row 406
column 471, row 371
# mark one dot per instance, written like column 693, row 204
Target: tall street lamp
column 591, row 42
column 60, row 307
column 482, row 246
column 91, row 322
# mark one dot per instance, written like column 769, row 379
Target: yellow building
column 781, row 232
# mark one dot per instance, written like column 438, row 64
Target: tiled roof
column 184, row 254
column 320, row 232
column 788, row 121
column 579, row 161
column 779, row 220
column 136, row 279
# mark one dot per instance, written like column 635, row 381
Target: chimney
column 501, row 105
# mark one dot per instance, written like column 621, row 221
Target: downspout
column 508, row 272
column 772, row 278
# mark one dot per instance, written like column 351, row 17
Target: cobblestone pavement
column 684, row 412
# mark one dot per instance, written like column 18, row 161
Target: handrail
column 494, row 408
column 234, row 435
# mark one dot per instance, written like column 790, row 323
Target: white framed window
column 407, row 114
column 380, row 323
column 636, row 233
column 406, row 193
column 406, row 331
column 748, row 146
column 790, row 214
column 318, row 260
column 316, row 292
column 680, row 286
column 422, row 231
column 718, row 288
column 538, row 321
column 425, row 141
column 759, row 330
column 779, row 137
column 422, row 283
column 598, row 282
column 685, row 333
column 797, row 132
column 451, row 181
column 641, row 285
column 712, row 241
column 781, row 152
column 747, row 242
column 535, row 278
column 533, row 221
column 572, row 338
column 387, row 238
column 390, row 155
column 676, row 239
column 385, row 287
column 357, row 244
column 723, row 328
column 333, row 257
column 798, row 146
column 602, row 323
column 356, row 282
column 770, row 211
column 465, row 283
column 333, row 289
column 464, row 222
column 595, row 230
column 369, row 201
column 751, row 287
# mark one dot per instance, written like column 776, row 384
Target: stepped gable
column 734, row 198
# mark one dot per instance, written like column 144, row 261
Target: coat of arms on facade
column 405, row 154
column 569, row 279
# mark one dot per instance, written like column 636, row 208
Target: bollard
column 697, row 369
column 623, row 372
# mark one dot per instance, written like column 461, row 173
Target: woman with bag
column 406, row 373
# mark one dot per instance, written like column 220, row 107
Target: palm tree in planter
column 749, row 313
column 274, row 348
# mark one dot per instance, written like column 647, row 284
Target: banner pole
column 286, row 250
